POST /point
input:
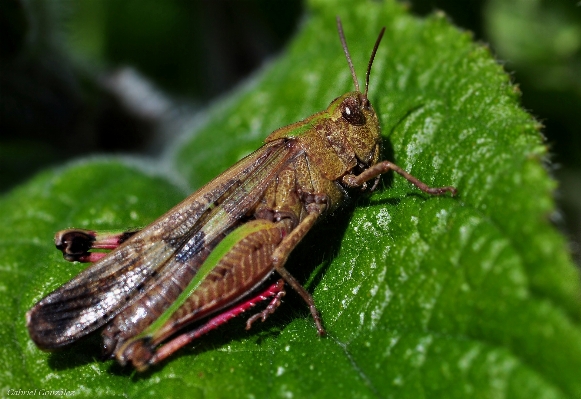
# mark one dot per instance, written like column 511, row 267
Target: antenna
column 346, row 50
column 371, row 60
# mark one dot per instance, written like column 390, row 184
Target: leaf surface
column 473, row 296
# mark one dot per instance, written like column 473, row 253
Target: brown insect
column 206, row 259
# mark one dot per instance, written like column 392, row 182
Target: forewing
column 96, row 295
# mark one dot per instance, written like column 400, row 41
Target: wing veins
column 99, row 293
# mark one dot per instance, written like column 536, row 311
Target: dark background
column 120, row 76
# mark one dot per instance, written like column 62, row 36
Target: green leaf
column 422, row 296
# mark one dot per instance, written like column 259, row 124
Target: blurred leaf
column 20, row 159
column 541, row 38
column 472, row 296
column 541, row 41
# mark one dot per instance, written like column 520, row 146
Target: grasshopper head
column 359, row 125
column 362, row 133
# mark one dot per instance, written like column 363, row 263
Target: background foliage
column 422, row 297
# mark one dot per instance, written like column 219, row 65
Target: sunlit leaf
column 473, row 296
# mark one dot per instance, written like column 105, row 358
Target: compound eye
column 351, row 112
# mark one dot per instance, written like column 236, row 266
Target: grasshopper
column 209, row 258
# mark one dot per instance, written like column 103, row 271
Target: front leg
column 385, row 166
